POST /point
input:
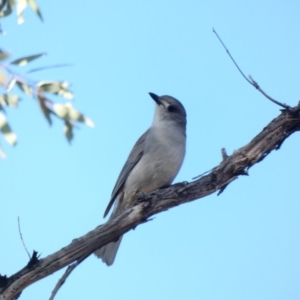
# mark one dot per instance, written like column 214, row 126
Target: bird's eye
column 172, row 108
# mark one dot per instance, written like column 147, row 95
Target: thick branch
column 271, row 138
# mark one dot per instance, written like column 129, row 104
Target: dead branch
column 269, row 139
column 21, row 237
column 250, row 80
column 67, row 273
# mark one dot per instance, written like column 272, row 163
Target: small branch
column 251, row 81
column 62, row 280
column 255, row 84
column 201, row 175
column 34, row 259
column 231, row 56
column 49, row 67
column 20, row 233
column 224, row 153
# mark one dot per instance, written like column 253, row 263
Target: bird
column 153, row 163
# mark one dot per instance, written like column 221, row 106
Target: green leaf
column 88, row 122
column 61, row 111
column 52, row 86
column 25, row 88
column 73, row 114
column 81, row 118
column 5, row 129
column 56, row 87
column 9, row 100
column 68, row 130
column 2, row 153
column 21, row 6
column 11, row 84
column 9, row 8
column 45, row 110
column 26, row 59
column 69, row 113
column 34, row 6
column 3, row 55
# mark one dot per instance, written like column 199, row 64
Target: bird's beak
column 156, row 98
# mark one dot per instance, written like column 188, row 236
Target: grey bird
column 153, row 163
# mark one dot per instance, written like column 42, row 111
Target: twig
column 255, row 84
column 62, row 280
column 19, row 226
column 48, row 67
column 250, row 80
column 231, row 56
column 224, row 153
column 201, row 175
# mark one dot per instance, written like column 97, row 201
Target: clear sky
column 243, row 244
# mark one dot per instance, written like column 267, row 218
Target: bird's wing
column 133, row 158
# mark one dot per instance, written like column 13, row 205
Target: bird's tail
column 108, row 252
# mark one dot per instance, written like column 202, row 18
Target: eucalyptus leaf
column 88, row 122
column 3, row 55
column 9, row 100
column 73, row 114
column 56, row 87
column 2, row 153
column 61, row 111
column 45, row 110
column 50, row 86
column 9, row 8
column 11, row 84
column 69, row 114
column 25, row 88
column 66, row 94
column 68, row 130
column 34, row 6
column 5, row 129
column 23, row 61
column 21, row 6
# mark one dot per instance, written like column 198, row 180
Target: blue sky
column 243, row 244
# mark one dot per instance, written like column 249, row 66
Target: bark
column 271, row 138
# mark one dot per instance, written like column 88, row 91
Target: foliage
column 11, row 79
column 7, row 6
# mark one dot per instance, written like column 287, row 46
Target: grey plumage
column 153, row 162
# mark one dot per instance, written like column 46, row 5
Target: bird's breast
column 162, row 158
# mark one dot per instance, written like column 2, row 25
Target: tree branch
column 21, row 237
column 67, row 273
column 271, row 138
column 250, row 80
